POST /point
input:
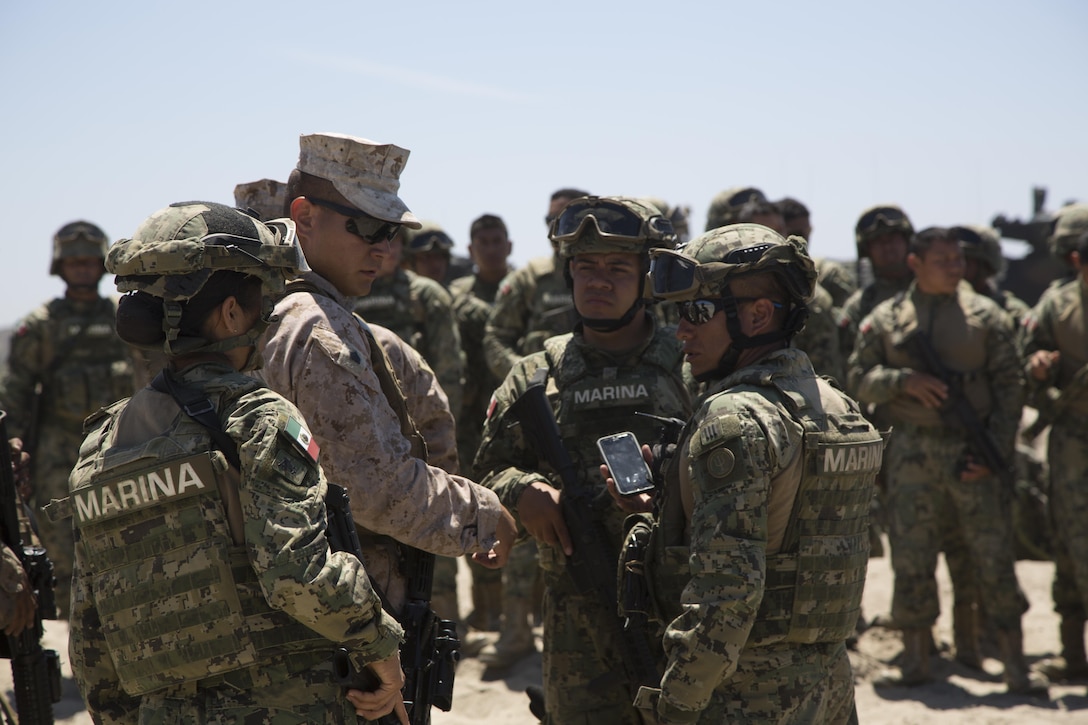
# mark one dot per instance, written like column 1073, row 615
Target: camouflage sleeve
column 426, row 399
column 1037, row 333
column 1006, row 379
column 282, row 493
column 868, row 378
column 319, row 359
column 506, row 324
column 820, row 339
column 444, row 345
column 11, row 583
column 505, row 463
column 848, row 324
column 92, row 666
column 25, row 366
column 837, row 280
column 738, row 446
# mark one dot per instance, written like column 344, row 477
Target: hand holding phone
column 622, row 454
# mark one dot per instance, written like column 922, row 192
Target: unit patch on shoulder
column 719, row 464
column 300, row 435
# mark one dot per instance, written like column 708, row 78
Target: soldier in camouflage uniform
column 833, row 276
column 420, row 311
column 756, row 607
column 935, row 482
column 65, row 363
column 344, row 201
column 616, row 362
column 427, row 252
column 266, row 197
column 175, row 555
column 984, row 264
column 1055, row 339
column 533, row 304
column 473, row 297
column 818, row 338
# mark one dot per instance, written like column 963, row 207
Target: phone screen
column 623, row 456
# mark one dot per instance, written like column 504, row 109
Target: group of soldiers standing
column 739, row 578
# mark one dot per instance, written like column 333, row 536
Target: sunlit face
column 940, row 269
column 705, row 344
column 606, row 284
column 490, row 249
column 348, row 261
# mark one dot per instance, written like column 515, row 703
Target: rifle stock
column 35, row 671
column 594, row 552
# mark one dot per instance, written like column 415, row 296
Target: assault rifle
column 431, row 648
column 592, row 565
column 35, row 671
column 958, row 410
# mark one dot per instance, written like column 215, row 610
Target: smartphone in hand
column 623, row 456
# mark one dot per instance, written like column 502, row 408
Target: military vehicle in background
column 1029, row 276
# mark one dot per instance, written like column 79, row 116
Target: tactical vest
column 958, row 338
column 814, row 583
column 84, row 365
column 593, row 403
column 394, row 304
column 551, row 306
column 178, row 599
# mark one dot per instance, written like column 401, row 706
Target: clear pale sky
column 953, row 110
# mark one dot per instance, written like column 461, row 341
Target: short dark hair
column 791, row 209
column 569, row 194
column 921, row 242
column 487, row 221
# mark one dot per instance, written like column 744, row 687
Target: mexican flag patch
column 301, row 436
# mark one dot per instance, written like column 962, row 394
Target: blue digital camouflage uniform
column 70, row 349
column 592, row 394
column 973, row 338
column 758, row 555
column 212, row 595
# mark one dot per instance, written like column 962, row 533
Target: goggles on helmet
column 370, row 229
column 674, row 276
column 75, row 232
column 612, row 220
column 744, row 196
column 968, row 237
column 872, row 221
column 426, row 241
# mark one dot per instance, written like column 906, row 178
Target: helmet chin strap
column 795, row 320
column 249, row 338
column 601, row 325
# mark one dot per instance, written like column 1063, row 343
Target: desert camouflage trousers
column 926, row 501
column 1068, row 459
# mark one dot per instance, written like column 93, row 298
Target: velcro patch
column 713, row 433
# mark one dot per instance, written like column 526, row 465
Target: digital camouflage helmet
column 175, row 251
column 77, row 239
column 725, row 206
column 983, row 244
column 878, row 220
column 611, row 224
column 699, row 277
column 1070, row 224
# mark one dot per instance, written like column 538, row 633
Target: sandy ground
column 960, row 695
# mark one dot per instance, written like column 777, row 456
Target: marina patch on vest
column 376, row 302
column 850, row 458
column 600, row 393
column 176, row 479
